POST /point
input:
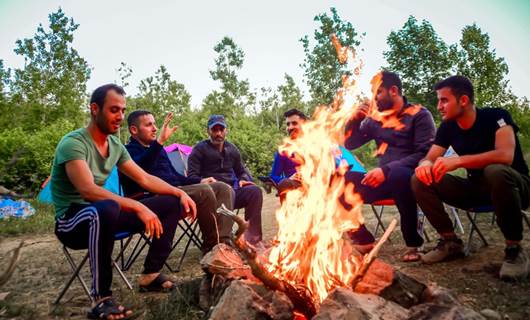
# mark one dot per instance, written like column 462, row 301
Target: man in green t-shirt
column 88, row 216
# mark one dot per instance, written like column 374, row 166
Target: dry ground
column 42, row 270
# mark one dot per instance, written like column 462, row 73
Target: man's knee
column 498, row 175
column 254, row 191
column 107, row 210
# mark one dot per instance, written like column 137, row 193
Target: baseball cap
column 216, row 119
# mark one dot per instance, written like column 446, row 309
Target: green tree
column 421, row 58
column 5, row 105
column 52, row 84
column 275, row 102
column 160, row 94
column 322, row 69
column 234, row 98
column 479, row 62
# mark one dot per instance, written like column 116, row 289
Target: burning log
column 299, row 295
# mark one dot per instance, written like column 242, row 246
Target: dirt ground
column 42, row 271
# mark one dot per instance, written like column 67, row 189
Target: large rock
column 429, row 311
column 344, row 304
column 383, row 280
column 249, row 300
column 225, row 261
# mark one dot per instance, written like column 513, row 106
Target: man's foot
column 516, row 265
column 362, row 240
column 412, row 254
column 156, row 283
column 446, row 249
column 108, row 308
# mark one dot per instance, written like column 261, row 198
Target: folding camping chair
column 379, row 217
column 188, row 229
column 76, row 268
column 472, row 214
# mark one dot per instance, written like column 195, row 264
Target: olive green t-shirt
column 78, row 145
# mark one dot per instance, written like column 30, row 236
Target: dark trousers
column 94, row 225
column 285, row 185
column 209, row 197
column 397, row 187
column 250, row 197
column 500, row 185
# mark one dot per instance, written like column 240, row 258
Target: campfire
column 311, row 261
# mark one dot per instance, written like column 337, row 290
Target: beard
column 385, row 104
column 217, row 140
column 104, row 126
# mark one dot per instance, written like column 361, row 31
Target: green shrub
column 26, row 157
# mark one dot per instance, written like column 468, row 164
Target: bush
column 26, row 157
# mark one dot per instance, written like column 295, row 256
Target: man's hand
column 374, row 178
column 153, row 226
column 424, row 172
column 443, row 165
column 166, row 131
column 190, row 209
column 243, row 183
column 208, row 180
column 362, row 110
column 296, row 176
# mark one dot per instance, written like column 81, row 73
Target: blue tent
column 112, row 184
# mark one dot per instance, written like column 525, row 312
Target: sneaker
column 516, row 265
column 446, row 249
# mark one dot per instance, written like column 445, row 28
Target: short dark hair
column 132, row 119
column 99, row 95
column 459, row 85
column 390, row 79
column 295, row 112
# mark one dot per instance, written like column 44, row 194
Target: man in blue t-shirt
column 486, row 142
column 284, row 171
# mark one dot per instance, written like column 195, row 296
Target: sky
column 181, row 34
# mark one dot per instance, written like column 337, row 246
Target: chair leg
column 76, row 270
column 136, row 252
column 421, row 226
column 526, row 219
column 189, row 230
column 378, row 216
column 474, row 227
column 457, row 223
column 117, row 267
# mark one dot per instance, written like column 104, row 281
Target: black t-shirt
column 480, row 137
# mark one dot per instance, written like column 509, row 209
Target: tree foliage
column 234, row 98
column 52, row 84
column 322, row 69
column 421, row 58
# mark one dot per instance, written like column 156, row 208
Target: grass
column 41, row 222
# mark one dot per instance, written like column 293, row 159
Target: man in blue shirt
column 284, row 167
column 147, row 150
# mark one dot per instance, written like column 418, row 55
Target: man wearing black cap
column 218, row 158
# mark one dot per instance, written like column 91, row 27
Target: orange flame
column 310, row 247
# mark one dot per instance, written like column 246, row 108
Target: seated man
column 88, row 216
column 404, row 148
column 284, row 167
column 148, row 152
column 487, row 146
column 221, row 160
